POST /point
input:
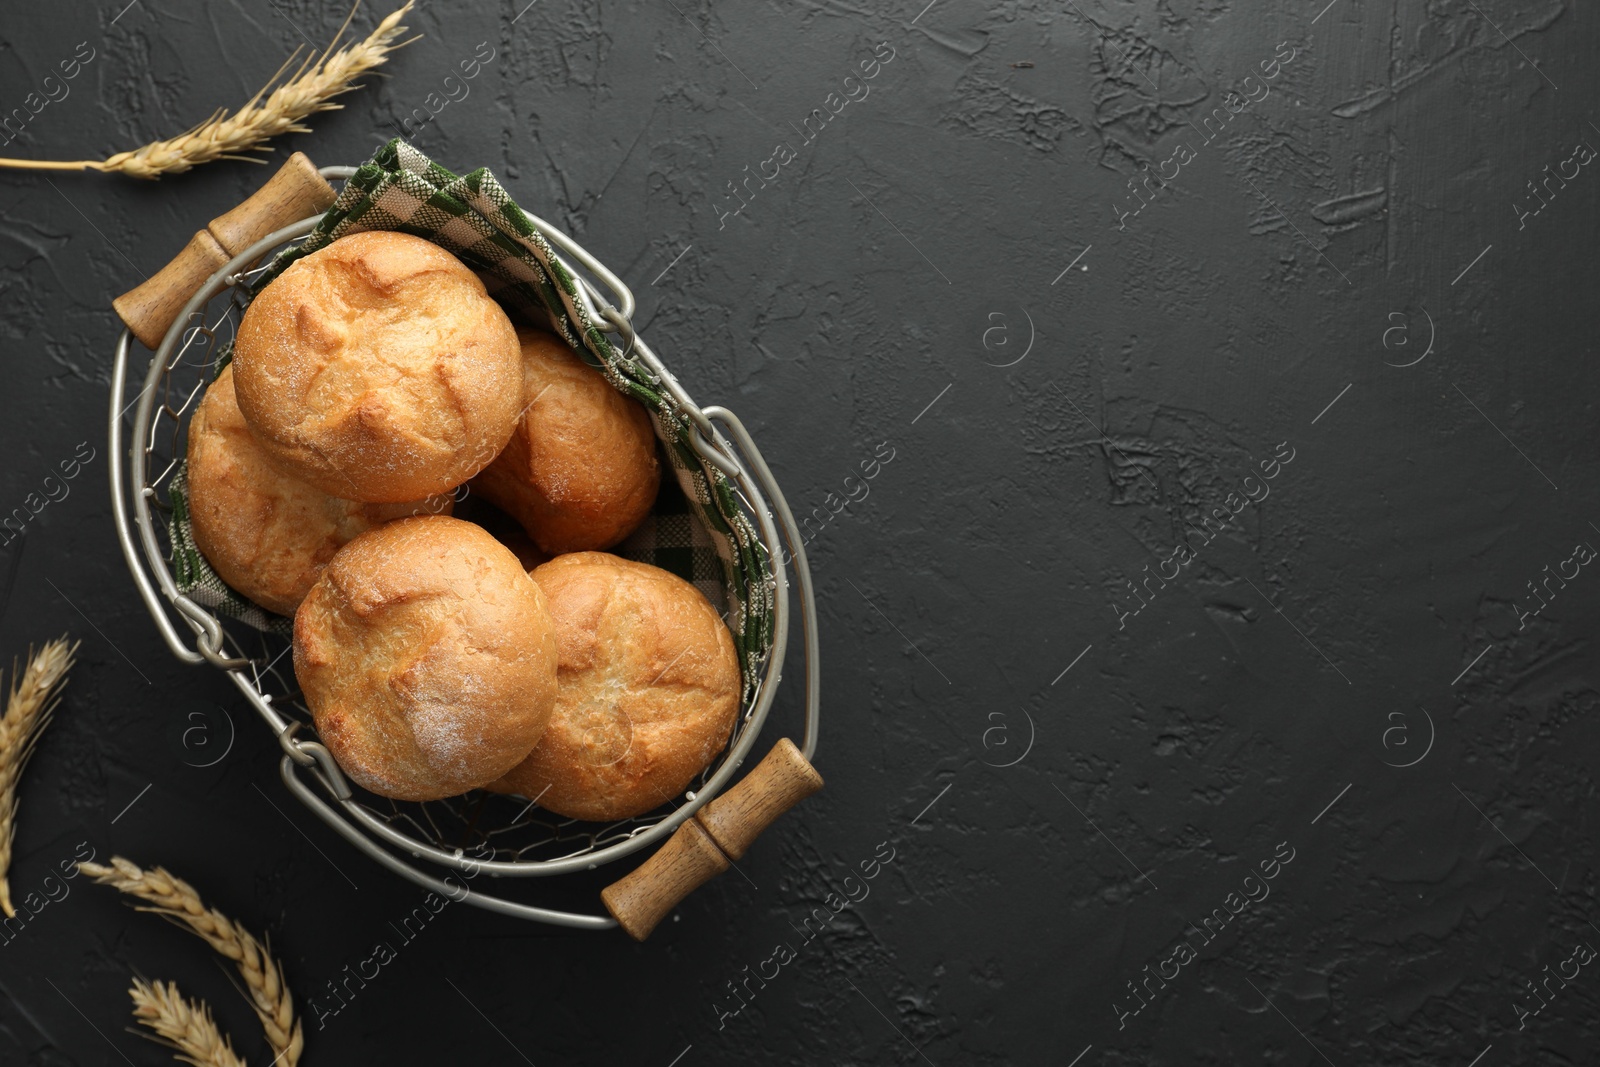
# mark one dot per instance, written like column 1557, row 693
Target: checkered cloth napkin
column 700, row 533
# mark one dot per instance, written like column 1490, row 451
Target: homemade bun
column 427, row 657
column 379, row 369
column 580, row 471
column 648, row 689
column 265, row 532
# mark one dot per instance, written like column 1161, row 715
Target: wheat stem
column 176, row 900
column 183, row 1025
column 34, row 696
column 50, row 164
column 311, row 89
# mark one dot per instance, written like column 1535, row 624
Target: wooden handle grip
column 148, row 309
column 702, row 846
column 296, row 192
column 736, row 818
column 687, row 861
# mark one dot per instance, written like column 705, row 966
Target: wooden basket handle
column 704, row 845
column 296, row 192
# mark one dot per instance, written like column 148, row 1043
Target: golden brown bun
column 379, row 369
column 427, row 657
column 265, row 532
column 648, row 689
column 580, row 471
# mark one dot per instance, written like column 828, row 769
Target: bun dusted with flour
column 648, row 688
column 267, row 533
column 379, row 369
column 580, row 471
column 427, row 657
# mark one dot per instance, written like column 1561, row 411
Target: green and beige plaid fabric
column 700, row 533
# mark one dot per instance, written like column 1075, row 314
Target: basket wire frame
column 504, row 836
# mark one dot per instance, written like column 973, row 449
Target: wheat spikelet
column 183, row 1025
column 34, row 696
column 176, row 900
column 222, row 136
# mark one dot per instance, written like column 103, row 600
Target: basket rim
column 134, row 483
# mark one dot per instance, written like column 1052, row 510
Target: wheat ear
column 183, row 1025
column 176, row 900
column 34, row 696
column 223, row 136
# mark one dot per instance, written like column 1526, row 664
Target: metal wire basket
column 503, row 837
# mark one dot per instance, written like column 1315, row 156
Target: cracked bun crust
column 265, row 532
column 427, row 657
column 648, row 689
column 379, row 369
column 580, row 472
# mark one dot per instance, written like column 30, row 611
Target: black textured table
column 1208, row 674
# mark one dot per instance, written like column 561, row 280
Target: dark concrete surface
column 1350, row 687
